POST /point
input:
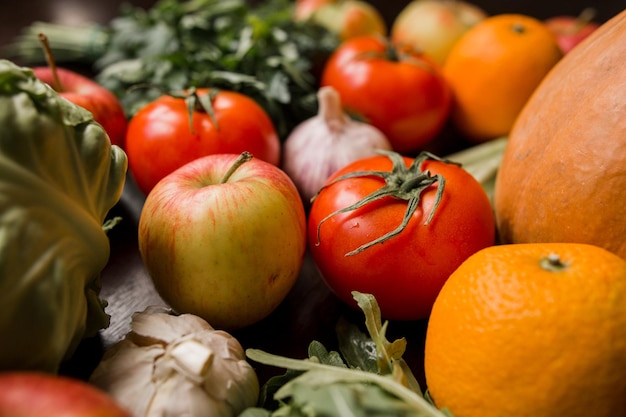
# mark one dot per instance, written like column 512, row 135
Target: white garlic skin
column 177, row 365
column 326, row 142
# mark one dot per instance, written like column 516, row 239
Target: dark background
column 15, row 15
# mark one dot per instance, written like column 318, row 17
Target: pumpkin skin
column 563, row 173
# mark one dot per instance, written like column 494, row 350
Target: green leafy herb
column 260, row 51
column 358, row 349
column 325, row 385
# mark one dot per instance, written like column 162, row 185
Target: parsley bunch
column 258, row 50
column 255, row 49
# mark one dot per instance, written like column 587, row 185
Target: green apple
column 434, row 26
column 346, row 18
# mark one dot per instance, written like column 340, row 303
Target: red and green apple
column 223, row 237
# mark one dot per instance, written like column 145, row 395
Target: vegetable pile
column 261, row 139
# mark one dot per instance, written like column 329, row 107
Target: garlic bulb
column 177, row 365
column 326, row 142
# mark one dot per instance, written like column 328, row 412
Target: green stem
column 402, row 182
column 482, row 162
column 412, row 399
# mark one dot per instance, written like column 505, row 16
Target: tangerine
column 535, row 329
column 494, row 68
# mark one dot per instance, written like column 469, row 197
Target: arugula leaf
column 317, row 376
column 317, row 353
column 358, row 349
column 255, row 412
column 389, row 354
column 344, row 399
column 381, row 383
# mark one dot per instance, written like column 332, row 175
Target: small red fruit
column 35, row 394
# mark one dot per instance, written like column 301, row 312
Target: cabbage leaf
column 59, row 177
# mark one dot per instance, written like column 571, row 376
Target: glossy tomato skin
column 406, row 272
column 406, row 98
column 159, row 139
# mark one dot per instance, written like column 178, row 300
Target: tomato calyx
column 397, row 53
column 193, row 101
column 402, row 182
column 199, row 102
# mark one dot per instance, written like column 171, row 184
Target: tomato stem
column 193, row 101
column 399, row 53
column 244, row 157
column 198, row 102
column 402, row 182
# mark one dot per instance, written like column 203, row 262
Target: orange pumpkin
column 563, row 173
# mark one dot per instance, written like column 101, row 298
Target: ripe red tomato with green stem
column 174, row 130
column 397, row 227
column 398, row 90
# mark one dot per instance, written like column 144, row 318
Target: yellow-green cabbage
column 59, row 177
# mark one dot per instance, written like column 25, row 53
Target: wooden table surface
column 310, row 311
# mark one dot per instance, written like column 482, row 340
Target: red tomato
column 406, row 271
column 159, row 138
column 398, row 91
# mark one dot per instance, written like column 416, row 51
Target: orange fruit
column 536, row 329
column 494, row 68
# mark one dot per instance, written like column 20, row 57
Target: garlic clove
column 191, row 358
column 177, row 396
column 164, row 326
column 233, row 366
column 125, row 372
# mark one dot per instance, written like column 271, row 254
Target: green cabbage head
column 59, row 177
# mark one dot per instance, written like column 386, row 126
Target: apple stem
column 53, row 68
column 585, row 16
column 242, row 159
